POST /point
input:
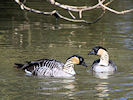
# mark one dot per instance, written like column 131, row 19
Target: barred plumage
column 51, row 67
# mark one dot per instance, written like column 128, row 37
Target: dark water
column 26, row 36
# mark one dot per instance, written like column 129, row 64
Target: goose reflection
column 103, row 75
column 102, row 89
column 58, row 87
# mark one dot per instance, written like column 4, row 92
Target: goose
column 52, row 67
column 103, row 64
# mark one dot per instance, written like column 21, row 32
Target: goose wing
column 113, row 65
column 45, row 64
column 95, row 63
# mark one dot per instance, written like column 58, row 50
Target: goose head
column 77, row 60
column 98, row 50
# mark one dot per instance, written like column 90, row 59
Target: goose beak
column 91, row 53
column 84, row 64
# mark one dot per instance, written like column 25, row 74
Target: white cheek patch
column 100, row 52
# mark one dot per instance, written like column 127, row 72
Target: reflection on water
column 19, row 37
column 102, row 89
column 58, row 87
column 103, row 75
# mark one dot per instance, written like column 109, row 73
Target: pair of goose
column 54, row 68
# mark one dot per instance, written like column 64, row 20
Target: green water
column 26, row 36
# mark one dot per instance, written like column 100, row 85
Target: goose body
column 103, row 64
column 103, row 68
column 52, row 68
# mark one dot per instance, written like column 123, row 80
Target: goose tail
column 18, row 66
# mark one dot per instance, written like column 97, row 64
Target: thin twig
column 78, row 9
column 71, row 15
column 74, row 8
column 114, row 11
column 108, row 2
column 55, row 13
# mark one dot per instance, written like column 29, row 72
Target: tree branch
column 78, row 9
column 57, row 14
column 114, row 11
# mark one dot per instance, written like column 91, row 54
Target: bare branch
column 78, row 9
column 80, row 14
column 108, row 2
column 71, row 15
column 74, row 8
column 55, row 13
column 114, row 11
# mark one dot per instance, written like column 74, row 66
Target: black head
column 95, row 50
column 78, row 60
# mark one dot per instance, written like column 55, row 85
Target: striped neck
column 69, row 67
column 104, row 59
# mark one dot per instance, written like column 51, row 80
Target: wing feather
column 42, row 66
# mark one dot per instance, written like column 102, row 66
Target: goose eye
column 81, row 59
column 94, row 50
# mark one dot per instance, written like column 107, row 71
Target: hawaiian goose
column 103, row 64
column 52, row 68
